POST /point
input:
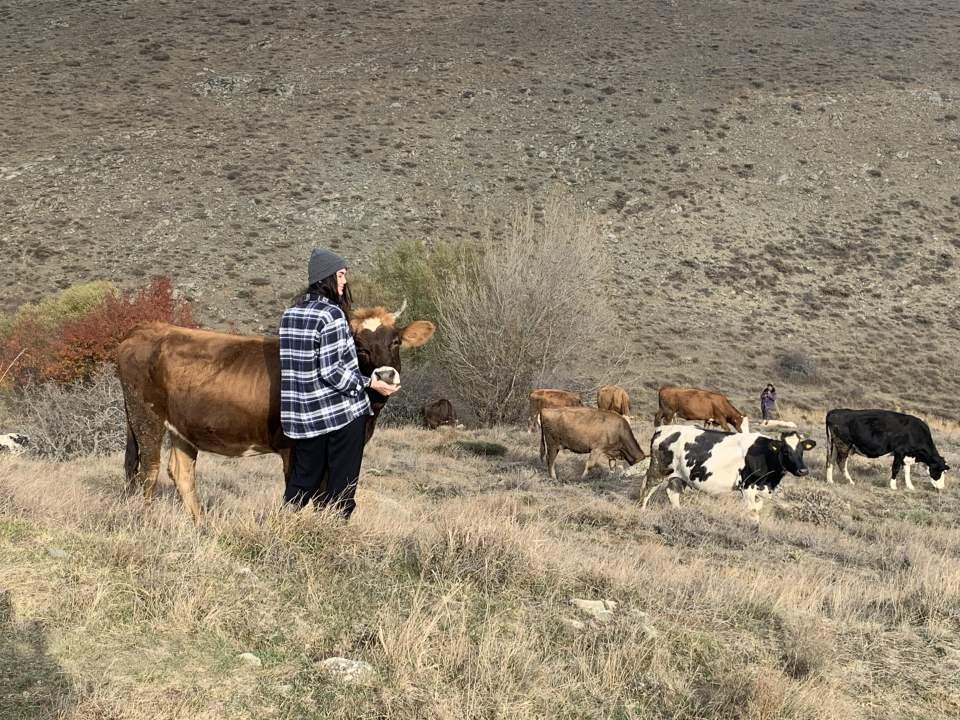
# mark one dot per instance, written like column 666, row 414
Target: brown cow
column 546, row 398
column 694, row 404
column 601, row 433
column 220, row 393
column 614, row 398
column 439, row 412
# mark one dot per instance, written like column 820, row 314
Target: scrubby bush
column 64, row 421
column 529, row 304
column 43, row 348
column 67, row 305
column 797, row 366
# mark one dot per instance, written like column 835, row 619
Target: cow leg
column 552, row 451
column 673, row 492
column 182, row 469
column 895, row 470
column 907, row 462
column 831, row 459
column 145, row 433
column 646, row 499
column 753, row 503
column 844, row 465
column 594, row 459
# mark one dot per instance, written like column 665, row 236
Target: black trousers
column 325, row 469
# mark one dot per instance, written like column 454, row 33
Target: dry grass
column 454, row 582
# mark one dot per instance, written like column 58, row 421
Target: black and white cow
column 717, row 462
column 875, row 433
column 14, row 443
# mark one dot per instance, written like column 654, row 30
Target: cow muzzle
column 387, row 374
column 939, row 484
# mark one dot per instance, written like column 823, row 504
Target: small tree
column 528, row 305
column 39, row 349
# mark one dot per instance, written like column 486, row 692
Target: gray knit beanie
column 323, row 263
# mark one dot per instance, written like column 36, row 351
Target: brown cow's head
column 379, row 340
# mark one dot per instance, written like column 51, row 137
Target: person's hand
column 385, row 389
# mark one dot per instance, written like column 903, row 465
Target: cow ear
column 416, row 333
column 809, row 444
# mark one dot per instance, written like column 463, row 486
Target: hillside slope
column 772, row 177
column 454, row 581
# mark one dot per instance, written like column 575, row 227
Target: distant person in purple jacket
column 768, row 402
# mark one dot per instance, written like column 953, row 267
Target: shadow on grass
column 32, row 684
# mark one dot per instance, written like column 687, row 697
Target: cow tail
column 543, row 439
column 131, row 460
column 829, row 441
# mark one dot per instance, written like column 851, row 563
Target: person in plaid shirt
column 323, row 399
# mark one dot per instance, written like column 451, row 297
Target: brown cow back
column 549, row 398
column 209, row 387
column 613, row 398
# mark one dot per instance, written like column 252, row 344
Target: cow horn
column 399, row 312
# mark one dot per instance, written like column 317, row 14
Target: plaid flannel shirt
column 321, row 387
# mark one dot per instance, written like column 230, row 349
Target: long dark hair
column 327, row 288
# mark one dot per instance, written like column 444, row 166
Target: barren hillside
column 772, row 177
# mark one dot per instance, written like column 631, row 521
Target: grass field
column 454, row 581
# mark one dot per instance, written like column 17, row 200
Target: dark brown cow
column 547, row 398
column 601, row 433
column 613, row 398
column 439, row 412
column 220, row 393
column 694, row 404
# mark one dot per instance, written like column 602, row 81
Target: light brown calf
column 603, row 434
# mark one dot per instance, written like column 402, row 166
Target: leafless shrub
column 797, row 366
column 67, row 421
column 525, row 307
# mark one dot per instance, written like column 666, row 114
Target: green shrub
column 69, row 304
column 417, row 272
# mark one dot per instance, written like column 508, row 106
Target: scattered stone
column 57, row 553
column 250, row 659
column 574, row 624
column 348, row 672
column 649, row 630
column 601, row 610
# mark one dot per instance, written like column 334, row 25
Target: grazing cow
column 545, row 398
column 614, row 398
column 581, row 430
column 717, row 462
column 14, row 443
column 694, row 404
column 220, row 393
column 439, row 412
column 874, row 433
